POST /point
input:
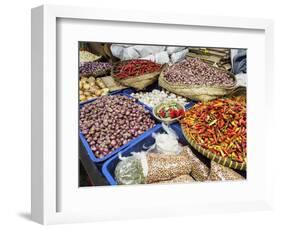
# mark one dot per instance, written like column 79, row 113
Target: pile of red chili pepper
column 136, row 67
column 219, row 126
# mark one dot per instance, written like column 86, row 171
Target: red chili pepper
column 136, row 67
column 219, row 126
column 162, row 113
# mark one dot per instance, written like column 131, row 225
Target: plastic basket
column 87, row 146
column 145, row 141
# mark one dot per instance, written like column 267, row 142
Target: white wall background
column 15, row 112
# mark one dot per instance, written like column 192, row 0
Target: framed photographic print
column 140, row 115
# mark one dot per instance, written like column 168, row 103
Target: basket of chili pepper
column 136, row 73
column 217, row 129
column 168, row 112
column 197, row 80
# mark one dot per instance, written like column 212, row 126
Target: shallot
column 112, row 121
column 194, row 72
column 95, row 68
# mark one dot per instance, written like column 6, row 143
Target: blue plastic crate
column 88, row 148
column 145, row 141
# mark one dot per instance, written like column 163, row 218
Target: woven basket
column 225, row 161
column 138, row 82
column 197, row 93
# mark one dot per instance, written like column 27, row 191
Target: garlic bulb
column 156, row 97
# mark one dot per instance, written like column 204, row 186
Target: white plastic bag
column 241, row 79
column 159, row 54
column 130, row 53
column 179, row 56
column 148, row 50
column 174, row 49
column 167, row 142
column 117, row 50
column 149, row 57
column 162, row 57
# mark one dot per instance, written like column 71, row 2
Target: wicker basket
column 225, row 161
column 138, row 82
column 197, row 93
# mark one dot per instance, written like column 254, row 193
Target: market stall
column 161, row 114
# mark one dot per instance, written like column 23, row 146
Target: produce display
column 194, row 72
column 219, row 126
column 134, row 68
column 142, row 122
column 156, row 96
column 94, row 68
column 111, row 121
column 91, row 87
column 86, row 56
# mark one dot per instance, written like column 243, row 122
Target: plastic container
column 167, row 120
column 145, row 141
column 87, row 146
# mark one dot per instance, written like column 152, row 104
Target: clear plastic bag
column 220, row 173
column 130, row 171
column 163, row 167
column 150, row 168
column 199, row 171
column 167, row 142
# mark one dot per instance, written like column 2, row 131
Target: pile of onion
column 111, row 121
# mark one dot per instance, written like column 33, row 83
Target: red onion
column 111, row 121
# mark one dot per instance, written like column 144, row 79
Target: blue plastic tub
column 145, row 141
column 88, row 148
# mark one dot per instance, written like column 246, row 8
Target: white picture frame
column 55, row 199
